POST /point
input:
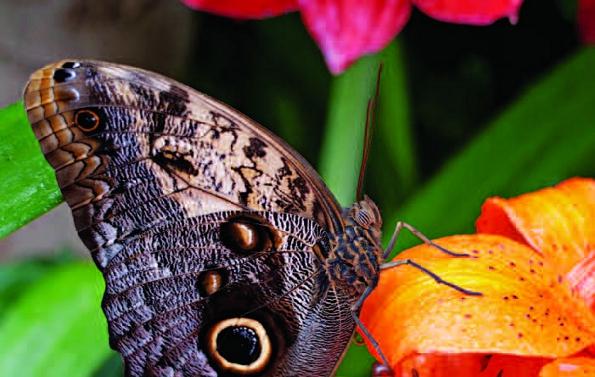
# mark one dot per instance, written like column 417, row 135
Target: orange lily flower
column 533, row 260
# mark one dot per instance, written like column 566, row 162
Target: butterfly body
column 223, row 251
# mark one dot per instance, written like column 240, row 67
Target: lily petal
column 582, row 278
column 526, row 307
column 470, row 11
column 570, row 367
column 558, row 221
column 347, row 29
column 513, row 365
column 243, row 9
column 442, row 365
column 470, row 365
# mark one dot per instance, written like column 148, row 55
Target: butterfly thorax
column 355, row 256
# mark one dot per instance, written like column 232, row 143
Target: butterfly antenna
column 371, row 112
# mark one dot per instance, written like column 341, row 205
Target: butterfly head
column 356, row 254
column 365, row 213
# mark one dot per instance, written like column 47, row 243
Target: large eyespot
column 246, row 235
column 87, row 120
column 239, row 345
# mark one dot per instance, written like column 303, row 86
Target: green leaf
column 29, row 186
column 394, row 125
column 56, row 327
column 342, row 145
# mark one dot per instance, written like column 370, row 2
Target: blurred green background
column 464, row 113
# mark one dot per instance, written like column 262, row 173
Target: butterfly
column 223, row 251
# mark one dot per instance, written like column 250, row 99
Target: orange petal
column 570, row 367
column 582, row 278
column 470, row 365
column 513, row 365
column 526, row 307
column 441, row 365
column 557, row 221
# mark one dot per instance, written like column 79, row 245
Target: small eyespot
column 71, row 65
column 87, row 120
column 63, row 75
column 212, row 280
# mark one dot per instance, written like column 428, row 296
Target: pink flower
column 347, row 29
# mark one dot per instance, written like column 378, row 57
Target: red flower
column 533, row 259
column 347, row 29
column 586, row 20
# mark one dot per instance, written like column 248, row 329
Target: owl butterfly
column 223, row 251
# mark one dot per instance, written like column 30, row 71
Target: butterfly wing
column 210, row 231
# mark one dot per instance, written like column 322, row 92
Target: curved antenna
column 369, row 132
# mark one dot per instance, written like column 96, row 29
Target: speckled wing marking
column 160, row 139
column 208, row 229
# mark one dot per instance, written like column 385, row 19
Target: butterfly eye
column 363, row 218
column 87, row 120
column 239, row 345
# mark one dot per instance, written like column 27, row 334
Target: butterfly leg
column 437, row 278
column 418, row 234
column 370, row 338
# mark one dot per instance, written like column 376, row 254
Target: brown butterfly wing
column 209, row 230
